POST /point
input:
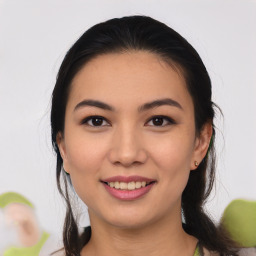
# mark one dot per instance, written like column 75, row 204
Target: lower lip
column 128, row 194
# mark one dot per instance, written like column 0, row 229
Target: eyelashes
column 100, row 121
column 96, row 121
column 161, row 121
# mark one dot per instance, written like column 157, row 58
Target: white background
column 34, row 36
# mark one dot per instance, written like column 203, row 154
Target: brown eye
column 95, row 121
column 158, row 121
column 161, row 121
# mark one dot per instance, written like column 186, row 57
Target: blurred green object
column 196, row 253
column 12, row 197
column 27, row 251
column 7, row 199
column 239, row 219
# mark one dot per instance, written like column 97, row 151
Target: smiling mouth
column 132, row 185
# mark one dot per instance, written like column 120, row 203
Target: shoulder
column 247, row 252
column 209, row 253
column 241, row 252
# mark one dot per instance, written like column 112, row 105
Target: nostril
column 128, row 155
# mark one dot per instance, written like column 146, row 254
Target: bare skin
column 130, row 142
column 152, row 240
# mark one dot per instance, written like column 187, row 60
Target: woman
column 132, row 126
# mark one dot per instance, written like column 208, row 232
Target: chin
column 129, row 220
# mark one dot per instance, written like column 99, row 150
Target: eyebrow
column 144, row 107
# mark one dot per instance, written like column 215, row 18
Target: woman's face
column 131, row 162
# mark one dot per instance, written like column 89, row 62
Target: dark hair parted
column 141, row 33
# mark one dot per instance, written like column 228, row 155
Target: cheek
column 85, row 157
column 172, row 152
column 85, row 154
column 172, row 156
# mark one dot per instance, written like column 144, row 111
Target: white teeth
column 117, row 185
column 123, row 185
column 138, row 184
column 127, row 186
column 131, row 185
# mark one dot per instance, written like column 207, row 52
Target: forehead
column 130, row 76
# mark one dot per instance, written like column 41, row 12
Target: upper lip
column 127, row 179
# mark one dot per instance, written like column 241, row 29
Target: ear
column 201, row 145
column 62, row 148
column 61, row 144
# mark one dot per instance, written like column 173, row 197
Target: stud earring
column 196, row 164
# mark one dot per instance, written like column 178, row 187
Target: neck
column 164, row 237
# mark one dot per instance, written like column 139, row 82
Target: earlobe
column 201, row 146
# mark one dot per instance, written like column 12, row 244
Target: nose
column 127, row 148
